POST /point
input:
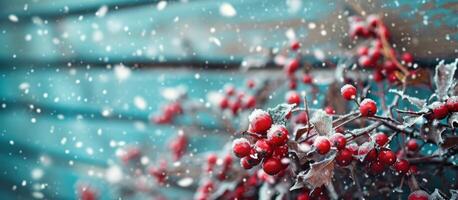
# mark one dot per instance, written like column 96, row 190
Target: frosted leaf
column 364, row 149
column 185, row 182
column 280, row 112
column 453, row 120
column 161, row 5
column 436, row 195
column 320, row 173
column 227, row 10
column 444, row 78
column 322, row 122
column 410, row 121
column 433, row 132
column 102, row 11
column 454, row 194
column 420, row 103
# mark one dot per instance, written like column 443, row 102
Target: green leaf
column 280, row 112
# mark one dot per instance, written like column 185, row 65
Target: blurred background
column 80, row 79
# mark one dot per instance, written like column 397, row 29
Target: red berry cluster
column 179, row 145
column 373, row 55
column 237, row 100
column 440, row 110
column 367, row 107
column 169, row 112
column 268, row 146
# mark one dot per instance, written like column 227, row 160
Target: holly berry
column 293, row 97
column 301, row 118
column 363, row 50
column 329, row 110
column 303, row 196
column 339, row 141
column 438, row 110
column 295, row 45
column 292, row 66
column 412, row 145
column 307, row 79
column 179, row 145
column 368, row 108
column 277, row 135
column 322, row 145
column 407, row 57
column 418, row 195
column 260, row 121
column 377, row 167
column 292, row 84
column 387, row 157
column 374, row 54
column 224, row 103
column 249, row 102
column 381, row 139
column 348, row 92
column 373, row 20
column 241, row 147
column 365, row 61
column 344, row 157
column 389, row 66
column 402, row 166
column 250, row 84
column 272, row 166
column 245, row 163
column 263, row 148
column 230, row 90
column 280, row 152
column 452, row 104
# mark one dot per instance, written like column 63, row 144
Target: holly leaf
column 433, row 132
column 420, row 103
column 322, row 122
column 280, row 112
column 454, row 194
column 300, row 131
column 320, row 173
column 443, row 78
column 453, row 120
column 410, row 121
column 436, row 195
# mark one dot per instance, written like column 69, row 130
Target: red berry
column 230, row 90
column 292, row 84
column 293, row 97
column 407, row 57
column 179, row 145
column 339, row 141
column 292, row 66
column 224, row 103
column 367, row 151
column 402, row 166
column 235, row 106
column 365, row 61
column 211, row 159
column 260, row 121
column 249, row 102
column 277, row 135
column 381, row 139
column 368, row 108
column 250, row 84
column 322, row 145
column 377, row 167
column 301, row 118
column 452, row 104
column 245, row 163
column 280, row 152
column 263, row 148
column 359, row 29
column 241, row 147
column 373, row 20
column 374, row 54
column 329, row 110
column 272, row 166
column 348, row 92
column 418, row 195
column 363, row 50
column 378, row 76
column 344, row 157
column 413, row 169
column 303, row 196
column 412, row 145
column 307, row 79
column 295, row 45
column 389, row 66
column 439, row 110
column 387, row 157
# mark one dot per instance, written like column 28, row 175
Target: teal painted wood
column 144, row 34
